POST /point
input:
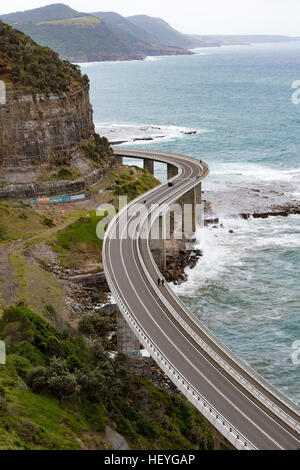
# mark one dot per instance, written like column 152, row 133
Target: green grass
column 81, row 21
column 62, row 174
column 77, row 241
column 106, row 393
column 18, row 221
column 32, row 421
column 134, row 185
column 37, row 287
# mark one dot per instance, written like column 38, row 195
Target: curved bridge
column 248, row 411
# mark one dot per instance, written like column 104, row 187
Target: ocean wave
column 253, row 171
column 150, row 58
column 225, row 254
column 86, row 64
column 141, row 134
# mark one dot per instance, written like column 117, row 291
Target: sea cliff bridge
column 248, row 411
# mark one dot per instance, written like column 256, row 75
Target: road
column 248, row 411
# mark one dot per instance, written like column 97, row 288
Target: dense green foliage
column 131, row 187
column 36, row 67
column 83, row 378
column 97, row 150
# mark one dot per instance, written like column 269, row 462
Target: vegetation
column 78, row 241
column 56, row 386
column 37, row 287
column 135, row 184
column 19, row 221
column 97, row 150
column 83, row 37
column 35, row 67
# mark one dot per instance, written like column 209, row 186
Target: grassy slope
column 149, row 418
column 78, row 242
column 18, row 221
column 146, row 416
column 32, row 421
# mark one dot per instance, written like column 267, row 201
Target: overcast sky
column 195, row 16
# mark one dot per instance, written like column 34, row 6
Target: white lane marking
column 193, row 366
column 160, row 195
column 198, row 352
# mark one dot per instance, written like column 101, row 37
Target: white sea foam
column 152, row 58
column 132, row 133
column 86, row 64
column 225, row 253
column 253, row 171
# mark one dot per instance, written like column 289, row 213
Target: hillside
column 60, row 389
column 81, row 37
column 49, row 12
column 136, row 38
column 162, row 31
column 227, row 40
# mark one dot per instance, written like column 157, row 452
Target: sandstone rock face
column 40, row 130
column 34, row 128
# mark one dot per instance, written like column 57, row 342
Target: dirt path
column 8, row 284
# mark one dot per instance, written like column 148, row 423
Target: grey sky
column 195, row 16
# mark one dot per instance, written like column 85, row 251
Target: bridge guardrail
column 260, row 396
column 213, row 416
column 183, row 385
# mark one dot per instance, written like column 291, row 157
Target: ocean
column 233, row 108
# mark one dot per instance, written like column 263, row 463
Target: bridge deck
column 248, row 411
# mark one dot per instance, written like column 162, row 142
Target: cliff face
column 34, row 129
column 48, row 144
column 42, row 142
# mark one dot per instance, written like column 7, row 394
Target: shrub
column 19, row 363
column 37, row 67
column 94, row 324
column 56, row 378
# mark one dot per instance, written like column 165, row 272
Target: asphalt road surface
column 129, row 267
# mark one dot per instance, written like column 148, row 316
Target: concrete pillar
column 158, row 241
column 200, row 206
column 188, row 201
column 128, row 343
column 192, row 210
column 172, row 171
column 149, row 165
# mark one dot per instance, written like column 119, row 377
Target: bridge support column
column 127, row 342
column 149, row 165
column 119, row 159
column 192, row 210
column 172, row 171
column 158, row 241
